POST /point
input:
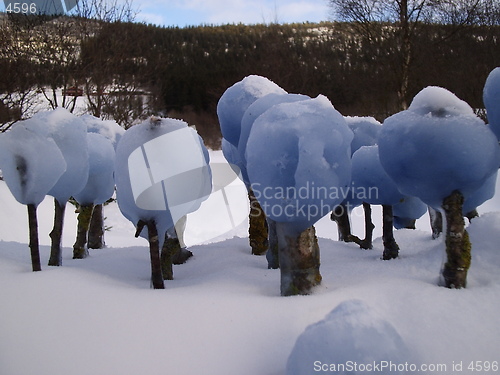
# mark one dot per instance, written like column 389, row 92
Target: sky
column 196, row 12
column 206, row 12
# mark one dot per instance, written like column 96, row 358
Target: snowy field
column 223, row 315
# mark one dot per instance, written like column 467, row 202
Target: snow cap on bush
column 235, row 101
column 70, row 134
column 31, row 164
column 298, row 159
column 491, row 99
column 437, row 146
column 100, row 183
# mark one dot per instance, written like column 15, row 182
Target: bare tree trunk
column 96, row 229
column 257, row 231
column 56, row 234
column 272, row 255
column 458, row 246
column 340, row 215
column 391, row 248
column 80, row 250
column 33, row 244
column 299, row 259
column 367, row 242
column 436, row 222
column 154, row 252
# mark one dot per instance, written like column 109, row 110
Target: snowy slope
column 223, row 314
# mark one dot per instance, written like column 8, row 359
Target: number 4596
column 21, row 8
column 483, row 366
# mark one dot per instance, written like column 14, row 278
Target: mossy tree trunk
column 272, row 255
column 257, row 231
column 96, row 228
column 458, row 246
column 391, row 248
column 33, row 242
column 56, row 234
column 299, row 259
column 80, row 250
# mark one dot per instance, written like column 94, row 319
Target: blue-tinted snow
column 31, row 164
column 298, row 160
column 437, row 146
column 491, row 99
column 365, row 129
column 70, row 134
column 370, row 182
column 235, row 101
column 107, row 128
column 100, row 184
column 351, row 339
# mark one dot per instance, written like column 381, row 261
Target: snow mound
column 352, row 339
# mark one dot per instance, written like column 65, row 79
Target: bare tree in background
column 378, row 20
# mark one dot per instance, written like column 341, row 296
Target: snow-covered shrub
column 298, row 161
column 31, row 166
column 372, row 185
column 98, row 189
column 230, row 110
column 100, row 183
column 70, row 135
column 491, row 99
column 365, row 129
column 351, row 339
column 441, row 152
column 162, row 174
column 235, row 101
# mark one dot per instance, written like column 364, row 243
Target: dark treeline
column 185, row 70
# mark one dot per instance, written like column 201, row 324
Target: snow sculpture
column 98, row 189
column 491, row 99
column 31, row 166
column 162, row 174
column 298, row 160
column 70, row 135
column 440, row 152
column 350, row 340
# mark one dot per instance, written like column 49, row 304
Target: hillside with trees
column 128, row 71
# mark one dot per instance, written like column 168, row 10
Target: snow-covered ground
column 223, row 313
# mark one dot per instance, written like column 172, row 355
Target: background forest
column 129, row 70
